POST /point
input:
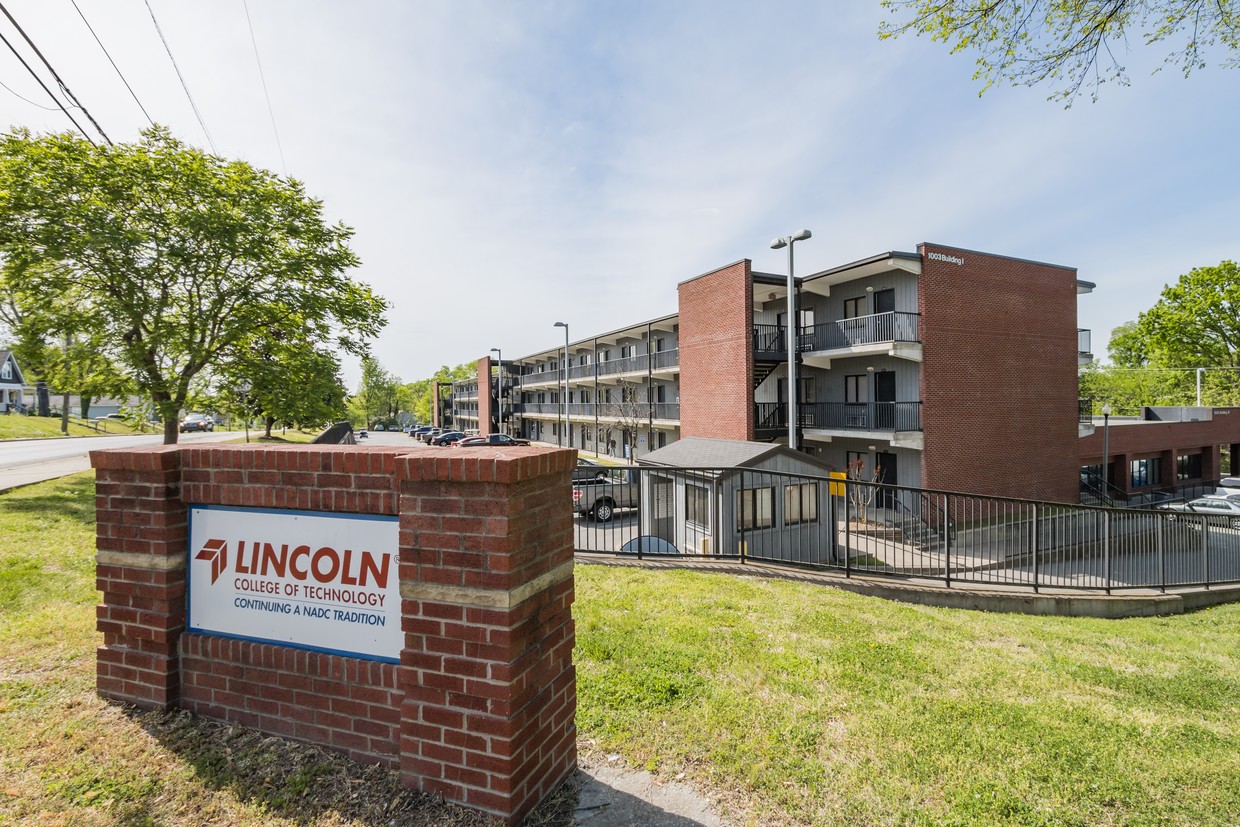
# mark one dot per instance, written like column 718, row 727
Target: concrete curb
column 1059, row 603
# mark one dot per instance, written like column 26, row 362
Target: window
column 662, row 440
column 6, row 370
column 585, row 433
column 1188, row 467
column 555, row 429
column 854, row 307
column 697, row 505
column 809, row 389
column 658, row 345
column 857, row 459
column 754, row 508
column 1146, row 472
column 801, row 503
column 856, row 389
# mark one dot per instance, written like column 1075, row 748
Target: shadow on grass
column 304, row 783
column 69, row 498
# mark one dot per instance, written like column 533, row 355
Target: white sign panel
column 304, row 578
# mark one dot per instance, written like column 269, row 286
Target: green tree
column 171, row 259
column 54, row 344
column 1196, row 321
column 1068, row 43
column 287, row 380
column 421, row 393
column 376, row 397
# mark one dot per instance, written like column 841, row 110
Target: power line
column 63, row 86
column 55, row 99
column 263, row 78
column 113, row 62
column 181, row 78
column 17, row 94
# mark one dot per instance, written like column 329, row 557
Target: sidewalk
column 40, row 472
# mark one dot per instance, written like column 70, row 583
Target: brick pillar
column 1167, row 471
column 486, row 556
column 141, row 556
column 1210, row 462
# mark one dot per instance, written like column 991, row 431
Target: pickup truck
column 599, row 498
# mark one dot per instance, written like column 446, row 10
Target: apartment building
column 942, row 368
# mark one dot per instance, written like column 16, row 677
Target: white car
column 1224, row 507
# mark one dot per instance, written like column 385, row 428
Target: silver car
column 1224, row 507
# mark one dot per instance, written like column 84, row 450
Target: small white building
column 723, row 496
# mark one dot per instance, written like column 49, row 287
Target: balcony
column 842, row 416
column 545, row 377
column 850, row 334
column 620, row 411
column 1084, row 348
column 770, row 342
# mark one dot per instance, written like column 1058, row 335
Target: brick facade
column 1167, row 441
column 716, row 353
column 999, row 375
column 480, row 707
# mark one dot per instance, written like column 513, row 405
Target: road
column 21, row 452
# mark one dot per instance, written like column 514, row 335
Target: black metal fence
column 878, row 530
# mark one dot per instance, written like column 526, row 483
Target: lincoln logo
column 217, row 552
column 324, row 564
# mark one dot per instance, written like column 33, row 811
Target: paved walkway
column 41, row 472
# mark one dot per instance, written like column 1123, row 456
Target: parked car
column 197, row 422
column 419, row 431
column 1224, row 507
column 588, row 470
column 600, row 498
column 447, row 438
column 378, row 426
column 492, row 439
column 1228, row 485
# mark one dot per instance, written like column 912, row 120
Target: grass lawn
column 794, row 704
column 13, row 426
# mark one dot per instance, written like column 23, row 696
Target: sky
column 507, row 165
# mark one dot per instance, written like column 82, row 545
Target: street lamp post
column 1106, row 448
column 568, row 423
column 499, row 357
column 793, row 329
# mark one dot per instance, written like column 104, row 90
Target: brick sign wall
column 478, row 704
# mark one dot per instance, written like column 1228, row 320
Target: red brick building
column 943, row 368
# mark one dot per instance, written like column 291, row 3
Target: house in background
column 12, row 385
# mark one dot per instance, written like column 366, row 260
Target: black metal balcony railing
column 862, row 330
column 842, row 416
column 603, row 410
column 770, row 338
column 630, row 364
column 642, row 363
column 664, row 359
column 1085, row 411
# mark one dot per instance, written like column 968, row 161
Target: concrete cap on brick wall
column 485, row 464
column 152, row 458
